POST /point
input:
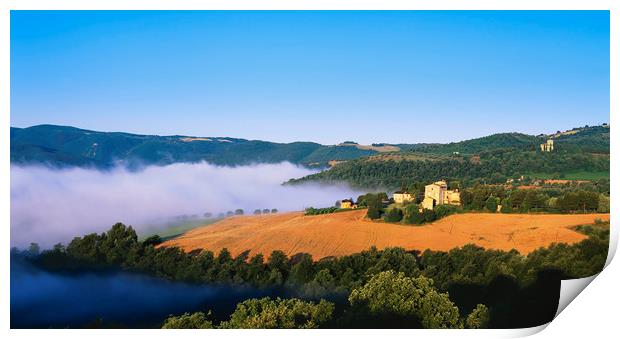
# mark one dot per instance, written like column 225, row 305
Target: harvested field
column 344, row 233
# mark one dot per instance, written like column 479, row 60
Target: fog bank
column 54, row 205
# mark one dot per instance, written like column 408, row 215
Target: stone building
column 401, row 197
column 547, row 147
column 438, row 193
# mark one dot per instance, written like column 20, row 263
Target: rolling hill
column 345, row 233
column 70, row 146
column 490, row 159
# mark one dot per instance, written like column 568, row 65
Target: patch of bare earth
column 345, row 233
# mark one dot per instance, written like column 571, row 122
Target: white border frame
column 567, row 327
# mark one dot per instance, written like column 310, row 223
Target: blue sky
column 366, row 76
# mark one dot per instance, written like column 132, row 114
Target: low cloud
column 54, row 205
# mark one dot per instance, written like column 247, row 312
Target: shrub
column 196, row 320
column 393, row 215
column 395, row 295
column 478, row 318
column 442, row 211
column 280, row 313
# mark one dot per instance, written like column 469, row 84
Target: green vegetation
column 280, row 313
column 177, row 227
column 69, row 146
column 558, row 200
column 583, row 155
column 581, row 175
column 495, row 141
column 490, row 167
column 390, row 294
column 197, row 320
column 325, row 210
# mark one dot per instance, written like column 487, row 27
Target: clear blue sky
column 398, row 77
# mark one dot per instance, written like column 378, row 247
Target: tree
column 390, row 293
column 208, row 215
column 257, row 211
column 506, row 206
column 266, row 211
column 478, row 318
column 413, row 215
column 322, row 284
column 230, row 213
column 302, row 271
column 274, row 210
column 34, row 249
column 238, row 211
column 603, row 204
column 280, row 313
column 429, row 215
column 152, row 240
column 393, row 215
column 197, row 320
column 444, row 211
column 491, row 204
column 373, row 201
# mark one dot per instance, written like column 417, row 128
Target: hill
column 491, row 159
column 345, row 233
column 70, row 146
column 495, row 141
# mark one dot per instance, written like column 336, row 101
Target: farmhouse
column 348, row 203
column 438, row 193
column 401, row 197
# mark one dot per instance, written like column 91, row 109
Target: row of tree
column 533, row 200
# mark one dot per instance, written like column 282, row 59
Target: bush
column 196, row 320
column 280, row 313
column 393, row 215
column 491, row 204
column 413, row 215
column 317, row 211
column 442, row 211
column 478, row 318
column 429, row 215
column 390, row 294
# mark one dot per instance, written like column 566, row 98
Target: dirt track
column 347, row 232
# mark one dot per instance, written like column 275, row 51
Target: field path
column 344, row 233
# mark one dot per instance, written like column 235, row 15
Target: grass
column 176, row 228
column 582, row 175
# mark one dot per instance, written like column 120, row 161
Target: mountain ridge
column 62, row 146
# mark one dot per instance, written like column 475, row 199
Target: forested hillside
column 504, row 154
column 492, row 159
column 70, row 146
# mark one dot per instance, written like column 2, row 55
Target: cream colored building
column 438, row 193
column 547, row 147
column 348, row 203
column 402, row 197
